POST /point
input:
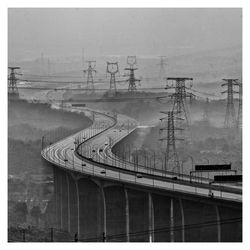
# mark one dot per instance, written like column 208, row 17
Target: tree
column 20, row 212
column 35, row 212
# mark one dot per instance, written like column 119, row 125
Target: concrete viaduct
column 98, row 198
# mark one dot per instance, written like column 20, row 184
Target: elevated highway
column 87, row 155
column 89, row 152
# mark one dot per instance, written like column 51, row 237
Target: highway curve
column 89, row 152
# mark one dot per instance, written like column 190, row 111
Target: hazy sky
column 120, row 31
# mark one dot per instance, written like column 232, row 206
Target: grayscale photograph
column 124, row 125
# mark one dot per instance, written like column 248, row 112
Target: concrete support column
column 104, row 212
column 61, row 200
column 151, row 218
column 68, row 203
column 127, row 214
column 78, row 208
column 172, row 220
column 218, row 224
column 55, row 197
column 182, row 221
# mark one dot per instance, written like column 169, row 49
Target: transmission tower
column 239, row 116
column 230, row 121
column 180, row 96
column 90, row 81
column 131, row 61
column 112, row 69
column 162, row 64
column 172, row 159
column 12, row 81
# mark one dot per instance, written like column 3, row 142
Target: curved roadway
column 89, row 152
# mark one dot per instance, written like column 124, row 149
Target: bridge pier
column 104, row 212
column 116, row 213
column 218, row 223
column 162, row 217
column 127, row 214
column 73, row 224
column 182, row 220
column 91, row 206
column 138, row 216
column 64, row 201
column 90, row 210
column 68, row 202
column 151, row 218
column 55, row 175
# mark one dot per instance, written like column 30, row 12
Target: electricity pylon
column 112, row 69
column 230, row 121
column 12, row 81
column 172, row 159
column 131, row 61
column 180, row 95
column 239, row 116
column 162, row 64
column 90, row 81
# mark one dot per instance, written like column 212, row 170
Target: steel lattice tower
column 131, row 61
column 112, row 69
column 171, row 153
column 230, row 121
column 239, row 116
column 90, row 81
column 162, row 64
column 180, row 96
column 12, row 81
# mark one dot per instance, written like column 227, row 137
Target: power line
column 168, row 229
column 142, row 232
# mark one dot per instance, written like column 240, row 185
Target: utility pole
column 230, row 121
column 112, row 69
column 180, row 96
column 131, row 61
column 171, row 153
column 12, row 81
column 90, row 81
column 239, row 116
column 162, row 64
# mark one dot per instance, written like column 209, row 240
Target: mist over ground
column 30, row 182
